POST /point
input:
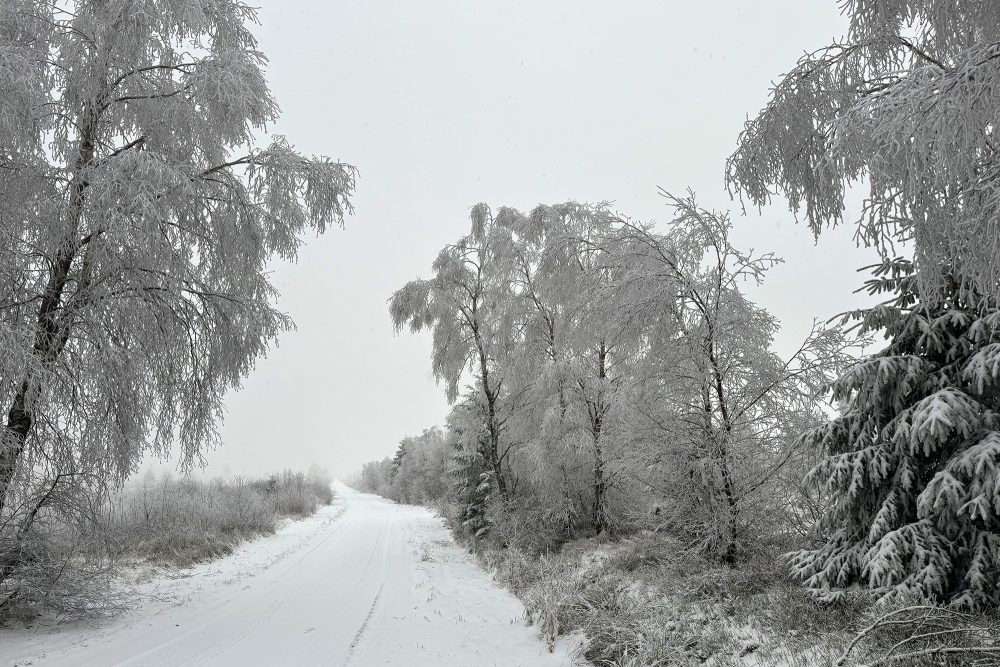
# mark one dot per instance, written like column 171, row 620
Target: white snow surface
column 362, row 582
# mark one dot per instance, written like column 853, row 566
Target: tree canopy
column 613, row 363
column 907, row 102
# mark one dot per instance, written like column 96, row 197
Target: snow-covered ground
column 363, row 582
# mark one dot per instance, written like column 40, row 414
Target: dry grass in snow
column 645, row 601
column 184, row 521
column 69, row 564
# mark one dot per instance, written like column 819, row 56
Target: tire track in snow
column 349, row 654
column 383, row 540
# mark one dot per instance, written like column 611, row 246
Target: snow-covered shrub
column 185, row 521
column 912, row 461
column 525, row 525
column 295, row 494
column 54, row 555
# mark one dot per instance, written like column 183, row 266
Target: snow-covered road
column 363, row 582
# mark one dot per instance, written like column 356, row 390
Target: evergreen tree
column 473, row 481
column 912, row 460
column 397, row 459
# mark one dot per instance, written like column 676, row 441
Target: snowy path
column 364, row 582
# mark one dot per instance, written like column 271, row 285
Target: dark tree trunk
column 597, row 427
column 493, row 456
column 722, row 454
column 15, row 436
column 600, row 486
column 51, row 333
column 50, row 338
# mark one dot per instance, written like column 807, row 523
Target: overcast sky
column 445, row 104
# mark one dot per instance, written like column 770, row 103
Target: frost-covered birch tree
column 908, row 102
column 137, row 217
column 538, row 360
column 568, row 350
column 595, row 342
column 721, row 409
column 467, row 305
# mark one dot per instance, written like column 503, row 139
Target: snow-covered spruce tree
column 471, row 480
column 907, row 103
column 136, row 222
column 399, row 487
column 913, row 461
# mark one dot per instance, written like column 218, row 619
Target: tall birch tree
column 723, row 410
column 594, row 339
column 137, row 218
column 467, row 306
column 569, row 340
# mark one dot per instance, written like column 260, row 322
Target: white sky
column 445, row 104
